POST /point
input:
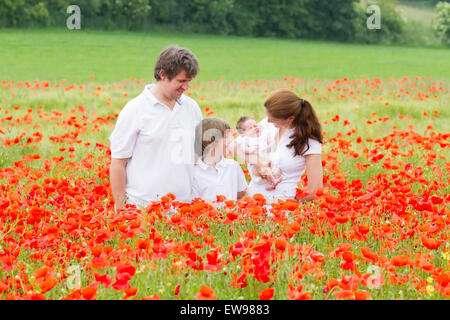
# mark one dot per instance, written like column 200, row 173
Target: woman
column 298, row 138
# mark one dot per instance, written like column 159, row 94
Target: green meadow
column 236, row 74
column 75, row 55
column 371, row 100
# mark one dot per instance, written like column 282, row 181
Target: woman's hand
column 263, row 167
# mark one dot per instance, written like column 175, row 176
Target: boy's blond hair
column 208, row 132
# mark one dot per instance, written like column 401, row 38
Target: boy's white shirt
column 226, row 179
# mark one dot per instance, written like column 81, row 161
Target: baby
column 252, row 142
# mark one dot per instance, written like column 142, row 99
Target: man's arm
column 118, row 180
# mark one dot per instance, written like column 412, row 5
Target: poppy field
column 379, row 228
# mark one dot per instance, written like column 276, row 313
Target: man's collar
column 155, row 100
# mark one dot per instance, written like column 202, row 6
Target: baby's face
column 250, row 128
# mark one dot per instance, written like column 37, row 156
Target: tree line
column 337, row 20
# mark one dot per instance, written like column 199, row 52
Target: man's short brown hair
column 173, row 59
column 208, row 132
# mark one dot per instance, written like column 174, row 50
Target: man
column 153, row 141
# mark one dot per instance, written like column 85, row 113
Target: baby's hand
column 272, row 181
column 270, row 178
column 266, row 174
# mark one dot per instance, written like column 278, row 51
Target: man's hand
column 118, row 180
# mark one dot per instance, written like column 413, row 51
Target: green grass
column 228, row 102
column 56, row 54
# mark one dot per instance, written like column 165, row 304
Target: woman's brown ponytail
column 306, row 126
column 283, row 104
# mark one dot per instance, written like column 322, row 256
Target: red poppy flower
column 362, row 295
column 266, row 294
column 296, row 293
column 89, row 293
column 177, row 290
column 400, row 261
column 280, row 244
column 430, row 243
column 343, row 294
column 205, row 293
column 102, row 279
column 129, row 292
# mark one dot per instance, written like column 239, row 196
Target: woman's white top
column 292, row 167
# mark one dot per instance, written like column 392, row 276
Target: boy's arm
column 242, row 182
column 241, row 194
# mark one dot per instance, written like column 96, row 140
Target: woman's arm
column 314, row 173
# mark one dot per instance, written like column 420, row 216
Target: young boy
column 252, row 142
column 214, row 175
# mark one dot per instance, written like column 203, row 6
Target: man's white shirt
column 160, row 144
